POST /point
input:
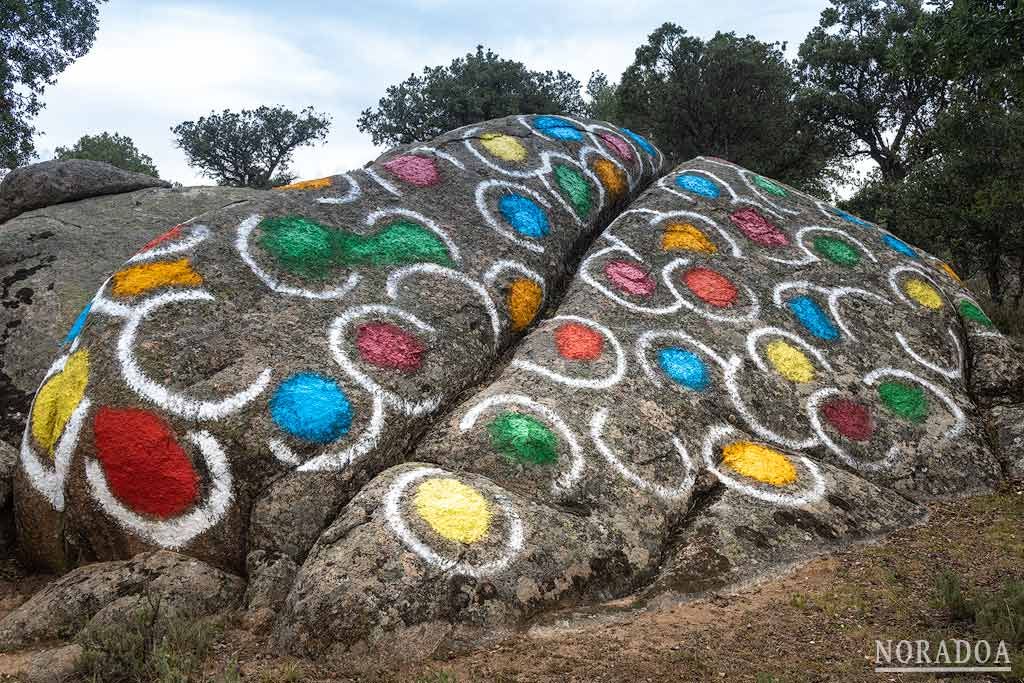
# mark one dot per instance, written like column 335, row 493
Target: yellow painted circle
column 58, row 398
column 764, row 464
column 790, row 362
column 315, row 184
column 503, row 146
column 452, row 509
column 686, row 237
column 524, row 299
column 923, row 293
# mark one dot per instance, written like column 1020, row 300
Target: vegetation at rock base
column 115, row 149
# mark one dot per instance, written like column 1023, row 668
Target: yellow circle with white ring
column 762, row 463
column 455, row 511
column 790, row 362
column 923, row 293
column 503, row 146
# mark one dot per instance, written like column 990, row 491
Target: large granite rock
column 54, row 182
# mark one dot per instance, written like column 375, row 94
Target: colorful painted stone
column 686, row 237
column 622, row 150
column 641, row 141
column 146, row 277
column 837, row 251
column 612, row 177
column 145, row 467
column 576, row 188
column 523, row 439
column 524, row 215
column 78, row 325
column 629, row 278
column 900, row 246
column 948, row 270
column 503, row 146
column 789, row 361
column 769, row 186
column 58, row 398
column 809, row 314
column 971, row 312
column 389, row 346
column 172, row 234
column 923, row 293
column 684, row 367
column 759, row 463
column 315, row 184
column 578, row 342
column 710, row 287
column 909, row 402
column 557, row 128
column 757, row 228
column 453, row 510
column 850, row 218
column 851, row 419
column 311, row 407
column 524, row 300
column 415, row 170
column 697, row 185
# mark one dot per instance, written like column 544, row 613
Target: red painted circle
column 629, row 278
column 758, row 228
column 851, row 419
column 389, row 346
column 145, row 467
column 622, row 150
column 711, row 287
column 578, row 342
column 415, row 170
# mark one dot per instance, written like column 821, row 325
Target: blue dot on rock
column 78, row 325
column 684, row 368
column 557, row 128
column 900, row 246
column 850, row 218
column 814, row 320
column 311, row 407
column 697, row 185
column 640, row 140
column 524, row 215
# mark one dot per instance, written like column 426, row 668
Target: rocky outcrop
column 55, row 182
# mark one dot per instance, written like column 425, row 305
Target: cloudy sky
column 156, row 63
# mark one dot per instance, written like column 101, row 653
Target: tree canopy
column 115, row 149
column 38, row 40
column 473, row 88
column 250, row 148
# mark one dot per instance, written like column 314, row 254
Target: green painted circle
column 972, row 312
column 575, row 186
column 909, row 402
column 769, row 186
column 524, row 439
column 837, row 251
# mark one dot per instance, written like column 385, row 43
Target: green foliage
column 115, row 149
column 247, row 148
column 996, row 616
column 38, row 40
column 731, row 97
column 604, row 98
column 471, row 89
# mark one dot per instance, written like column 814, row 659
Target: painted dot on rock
column 629, row 278
column 311, row 407
column 557, row 128
column 145, row 467
column 172, row 234
column 837, row 251
column 389, row 346
column 710, row 287
column 524, row 299
column 909, row 402
column 622, row 150
column 698, row 185
column 758, row 228
column 641, row 141
column 972, row 312
column 523, row 438
column 686, row 237
column 503, row 146
column 684, row 367
column 78, row 325
column 524, row 215
column 612, row 177
column 850, row 218
column 851, row 419
column 900, row 246
column 923, row 293
column 315, row 184
column 949, row 271
column 575, row 187
column 454, row 510
column 58, row 398
column 145, row 277
column 789, row 361
column 578, row 342
column 809, row 314
column 415, row 170
column 769, row 186
column 759, row 462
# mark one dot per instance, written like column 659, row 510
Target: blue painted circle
column 524, row 215
column 684, row 368
column 311, row 407
column 79, row 324
column 557, row 128
column 640, row 140
column 814, row 320
column 849, row 217
column 900, row 246
column 698, row 185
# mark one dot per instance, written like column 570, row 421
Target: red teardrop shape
column 172, row 234
column 711, row 287
column 758, row 228
column 629, row 278
column 145, row 467
column 622, row 150
column 418, row 171
column 850, row 419
column 389, row 346
column 578, row 342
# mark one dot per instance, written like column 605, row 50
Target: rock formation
column 511, row 369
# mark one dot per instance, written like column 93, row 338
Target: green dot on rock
column 523, row 438
column 972, row 312
column 909, row 402
column 575, row 186
column 836, row 251
column 769, row 186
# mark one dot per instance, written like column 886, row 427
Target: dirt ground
column 817, row 622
